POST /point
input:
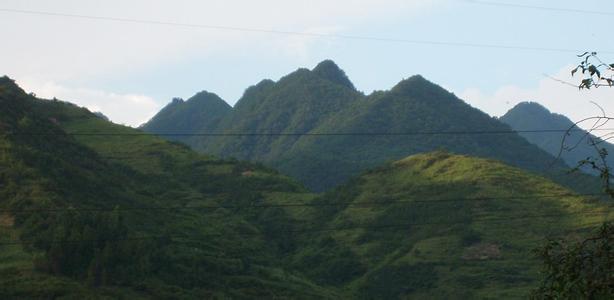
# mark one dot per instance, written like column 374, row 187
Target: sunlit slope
column 440, row 226
column 133, row 216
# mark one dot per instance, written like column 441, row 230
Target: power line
column 295, row 33
column 314, row 230
column 257, row 206
column 222, row 134
column 548, row 8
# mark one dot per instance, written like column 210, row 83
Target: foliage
column 584, row 269
column 574, row 270
column 595, row 72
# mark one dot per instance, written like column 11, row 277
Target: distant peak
column 265, row 83
column 205, row 97
column 202, row 95
column 329, row 70
column 530, row 106
column 9, row 83
column 412, row 82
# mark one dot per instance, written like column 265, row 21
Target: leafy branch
column 596, row 72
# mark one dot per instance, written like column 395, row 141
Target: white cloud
column 554, row 95
column 66, row 49
column 66, row 53
column 127, row 109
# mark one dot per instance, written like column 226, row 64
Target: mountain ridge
column 303, row 102
column 532, row 115
column 234, row 229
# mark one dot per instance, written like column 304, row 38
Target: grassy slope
column 474, row 257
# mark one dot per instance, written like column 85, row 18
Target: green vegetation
column 84, row 215
column 578, row 269
column 473, row 238
column 325, row 101
column 201, row 112
column 96, row 181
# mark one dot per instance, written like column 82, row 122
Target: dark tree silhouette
column 584, row 269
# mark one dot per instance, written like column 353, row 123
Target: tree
column 585, row 268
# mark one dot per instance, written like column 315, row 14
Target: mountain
column 91, row 209
column 298, row 102
column 439, row 226
column 531, row 115
column 293, row 125
column 108, row 216
column 200, row 113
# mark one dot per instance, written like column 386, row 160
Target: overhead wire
column 311, row 204
column 406, row 133
column 537, row 7
column 322, row 229
column 293, row 33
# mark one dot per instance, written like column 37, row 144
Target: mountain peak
column 329, row 70
column 530, row 107
column 411, row 82
column 205, row 97
column 8, row 83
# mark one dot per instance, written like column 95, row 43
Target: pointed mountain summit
column 329, row 70
column 532, row 115
column 201, row 113
column 296, row 103
column 411, row 83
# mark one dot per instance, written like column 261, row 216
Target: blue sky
column 130, row 70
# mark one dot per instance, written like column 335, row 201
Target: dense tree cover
column 71, row 206
column 325, row 101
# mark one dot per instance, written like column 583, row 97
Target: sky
column 130, row 70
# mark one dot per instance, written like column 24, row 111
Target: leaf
column 586, row 83
column 592, row 70
column 574, row 71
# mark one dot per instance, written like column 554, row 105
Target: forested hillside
column 316, row 127
column 90, row 209
column 86, row 215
